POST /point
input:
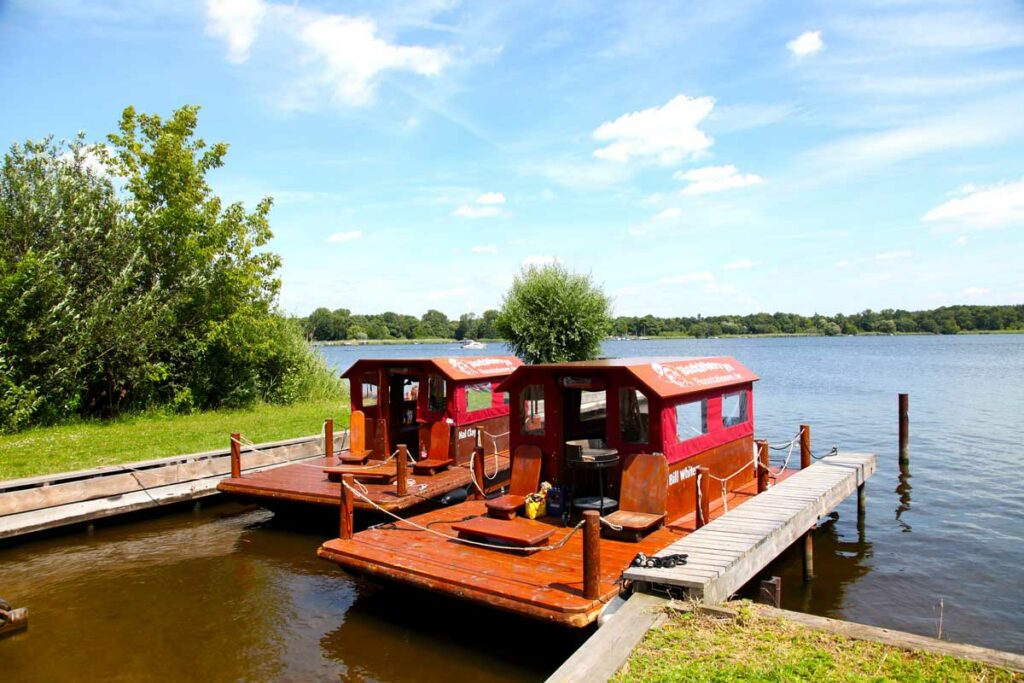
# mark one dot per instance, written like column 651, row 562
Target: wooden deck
column 732, row 549
column 545, row 584
column 306, row 482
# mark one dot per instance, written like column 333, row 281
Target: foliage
column 552, row 315
column 126, row 283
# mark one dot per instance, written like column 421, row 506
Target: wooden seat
column 357, row 452
column 522, row 533
column 438, row 458
column 385, row 474
column 525, row 479
column 642, row 498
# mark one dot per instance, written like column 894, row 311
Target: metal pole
column 591, row 554
column 904, row 403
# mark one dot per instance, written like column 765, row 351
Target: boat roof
column 666, row 377
column 455, row 368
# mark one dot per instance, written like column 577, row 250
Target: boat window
column 533, row 410
column 593, row 405
column 479, row 396
column 369, row 389
column 734, row 409
column 437, row 394
column 634, row 416
column 691, row 419
column 410, row 389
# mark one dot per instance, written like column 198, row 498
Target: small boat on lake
column 628, row 438
column 429, row 408
column 472, row 344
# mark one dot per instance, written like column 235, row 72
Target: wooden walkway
column 733, row 548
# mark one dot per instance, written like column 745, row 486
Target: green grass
column 80, row 445
column 758, row 648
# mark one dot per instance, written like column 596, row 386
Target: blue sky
column 694, row 157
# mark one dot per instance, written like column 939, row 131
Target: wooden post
column 904, row 429
column 236, row 455
column 770, row 592
column 805, row 446
column 762, row 468
column 478, row 465
column 809, row 554
column 329, row 438
column 347, row 507
column 703, row 488
column 862, row 503
column 402, row 483
column 591, row 554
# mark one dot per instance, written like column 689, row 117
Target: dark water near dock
column 230, row 593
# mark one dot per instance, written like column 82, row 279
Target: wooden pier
column 728, row 552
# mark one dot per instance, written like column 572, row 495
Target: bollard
column 904, row 408
column 702, row 509
column 478, row 465
column 762, row 469
column 402, row 483
column 236, row 455
column 347, row 507
column 805, row 446
column 591, row 554
column 329, row 438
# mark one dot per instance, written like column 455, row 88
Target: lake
column 230, row 592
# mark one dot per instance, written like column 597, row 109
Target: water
column 231, row 593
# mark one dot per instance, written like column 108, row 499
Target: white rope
column 492, row 546
column 610, row 525
column 700, row 504
column 410, row 483
column 494, row 442
column 497, row 465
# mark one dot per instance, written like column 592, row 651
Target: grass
column 754, row 647
column 80, row 445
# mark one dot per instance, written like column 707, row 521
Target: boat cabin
column 401, row 398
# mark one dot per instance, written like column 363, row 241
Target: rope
column 789, row 444
column 479, row 544
column 494, row 442
column 610, row 525
column 700, row 504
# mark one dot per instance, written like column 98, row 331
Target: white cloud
column 484, row 249
column 237, row 22
column 491, row 198
column 447, row 293
column 538, row 261
column 997, row 206
column 841, row 264
column 673, row 212
column 636, row 232
column 976, row 291
column 807, row 43
column 346, row 236
column 715, row 179
column 668, row 133
column 90, row 159
column 742, row 264
column 960, row 241
column 471, row 211
column 893, row 255
column 687, row 278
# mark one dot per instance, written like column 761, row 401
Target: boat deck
column 306, row 482
column 546, row 584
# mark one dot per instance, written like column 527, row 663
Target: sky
column 694, row 157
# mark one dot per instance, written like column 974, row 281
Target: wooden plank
column 604, row 653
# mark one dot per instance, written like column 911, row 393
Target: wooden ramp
column 732, row 549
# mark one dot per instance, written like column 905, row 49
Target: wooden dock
column 728, row 552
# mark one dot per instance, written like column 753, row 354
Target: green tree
column 551, row 315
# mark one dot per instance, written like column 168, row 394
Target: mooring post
column 402, row 482
column 702, row 510
column 236, row 455
column 762, row 465
column 347, row 507
column 591, row 554
column 770, row 592
column 478, row 465
column 805, row 446
column 862, row 501
column 904, row 429
column 329, row 439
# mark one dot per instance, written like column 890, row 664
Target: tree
column 552, row 315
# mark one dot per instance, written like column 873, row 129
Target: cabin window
column 734, row 409
column 437, row 394
column 593, row 405
column 410, row 389
column 634, row 416
column 533, row 411
column 691, row 419
column 369, row 390
column 479, row 396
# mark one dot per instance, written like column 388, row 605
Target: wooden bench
column 525, row 479
column 385, row 474
column 431, row 466
column 436, row 439
column 521, row 533
column 642, row 498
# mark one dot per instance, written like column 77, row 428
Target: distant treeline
column 326, row 325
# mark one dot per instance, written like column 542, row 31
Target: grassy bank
column 80, row 445
column 754, row 647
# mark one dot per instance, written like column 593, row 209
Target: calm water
column 231, row 593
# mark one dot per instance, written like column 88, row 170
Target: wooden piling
column 805, row 446
column 347, row 507
column 402, row 483
column 478, row 465
column 591, row 554
column 762, row 468
column 703, row 503
column 904, row 410
column 329, row 438
column 770, row 592
column 236, row 455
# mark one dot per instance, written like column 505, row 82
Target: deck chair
column 525, row 479
column 357, row 452
column 437, row 460
column 642, row 496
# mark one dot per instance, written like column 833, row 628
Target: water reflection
column 903, row 489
